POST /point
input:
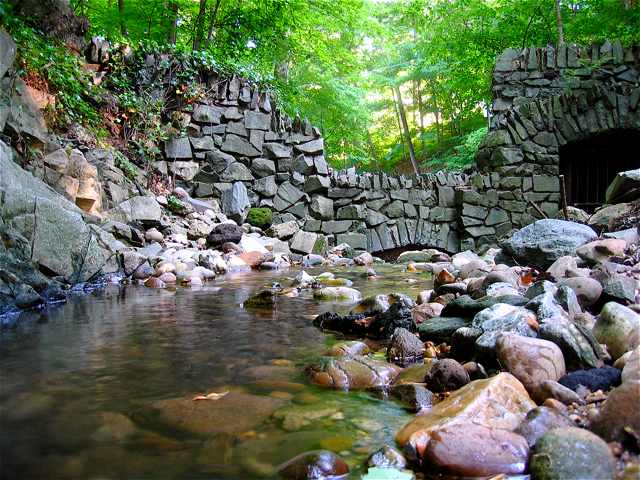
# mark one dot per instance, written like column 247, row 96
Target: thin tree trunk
column 395, row 105
column 173, row 29
column 123, row 25
column 407, row 134
column 559, row 22
column 212, row 21
column 198, row 31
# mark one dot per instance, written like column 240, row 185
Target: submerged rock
column 315, row 465
column 344, row 294
column 232, row 413
column 387, row 457
column 352, row 373
column 413, row 396
column 348, row 349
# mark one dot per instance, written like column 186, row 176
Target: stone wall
column 240, row 149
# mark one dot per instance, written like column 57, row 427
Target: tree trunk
column 395, row 105
column 559, row 22
column 212, row 21
column 198, row 30
column 123, row 25
column 407, row 134
column 173, row 29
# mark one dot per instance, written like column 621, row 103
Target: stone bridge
column 568, row 110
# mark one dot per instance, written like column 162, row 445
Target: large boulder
column 62, row 242
column 543, row 242
column 144, row 209
column 625, row 187
column 499, row 402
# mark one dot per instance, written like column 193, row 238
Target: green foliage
column 260, row 217
column 175, row 205
column 42, row 59
column 128, row 168
column 461, row 155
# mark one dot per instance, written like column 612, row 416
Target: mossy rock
column 260, row 217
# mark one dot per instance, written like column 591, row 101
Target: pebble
column 446, row 375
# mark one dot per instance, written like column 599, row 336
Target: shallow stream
column 80, row 383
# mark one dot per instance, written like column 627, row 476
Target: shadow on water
column 80, row 383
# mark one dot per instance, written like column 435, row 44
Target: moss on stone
column 260, row 217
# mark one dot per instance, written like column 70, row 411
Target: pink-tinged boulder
column 471, row 450
column 499, row 402
column 530, row 360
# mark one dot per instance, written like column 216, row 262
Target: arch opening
column 589, row 165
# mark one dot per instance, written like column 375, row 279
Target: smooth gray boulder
column 543, row 242
column 235, row 202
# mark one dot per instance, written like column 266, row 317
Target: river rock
column 352, row 373
column 631, row 369
column 567, row 267
column 223, row 233
column 587, row 290
column 446, row 375
column 500, row 318
column 499, row 402
column 601, row 250
column 553, row 390
column 413, row 396
column 619, row 414
column 405, row 347
column 530, row 360
column 315, row 465
column 348, row 349
column 441, row 329
column 618, row 327
column 344, row 294
column 426, row 311
column 571, row 453
column 364, row 259
column 233, row 413
column 539, row 421
column 544, row 241
column 471, row 450
column 387, row 457
column 625, row 187
column 593, row 379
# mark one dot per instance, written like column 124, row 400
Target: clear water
column 78, row 382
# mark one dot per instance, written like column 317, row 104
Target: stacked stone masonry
column 241, row 149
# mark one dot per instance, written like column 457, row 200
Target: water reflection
column 78, row 381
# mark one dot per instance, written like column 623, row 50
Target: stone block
column 446, row 196
column 322, row 207
column 352, row 212
column 178, row 148
column 336, row 226
column 256, row 120
column 235, row 144
column 357, row 241
column 277, row 150
column 308, row 242
column 443, row 214
column 316, row 183
column 544, row 183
